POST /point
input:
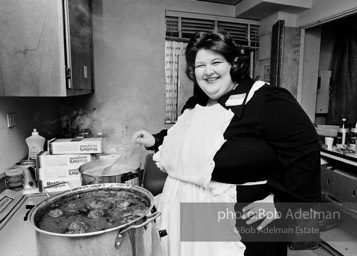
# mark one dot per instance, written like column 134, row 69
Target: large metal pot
column 93, row 172
column 113, row 241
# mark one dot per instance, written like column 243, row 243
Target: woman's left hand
column 261, row 210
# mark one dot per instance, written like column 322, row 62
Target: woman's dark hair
column 222, row 43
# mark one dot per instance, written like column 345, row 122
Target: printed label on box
column 76, row 146
column 55, row 173
column 77, row 182
column 46, row 160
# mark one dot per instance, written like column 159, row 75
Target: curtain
column 172, row 50
column 343, row 94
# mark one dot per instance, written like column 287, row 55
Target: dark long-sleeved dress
column 269, row 138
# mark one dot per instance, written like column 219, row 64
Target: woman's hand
column 143, row 137
column 261, row 210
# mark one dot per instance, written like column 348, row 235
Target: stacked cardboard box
column 75, row 146
column 61, row 163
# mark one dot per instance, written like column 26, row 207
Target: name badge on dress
column 235, row 100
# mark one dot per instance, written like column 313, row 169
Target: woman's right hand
column 143, row 137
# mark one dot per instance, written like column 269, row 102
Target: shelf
column 349, row 158
column 260, row 9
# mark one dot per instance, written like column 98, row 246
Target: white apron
column 187, row 156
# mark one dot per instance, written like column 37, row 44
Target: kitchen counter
column 348, row 158
column 17, row 237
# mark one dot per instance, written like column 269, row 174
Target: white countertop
column 17, row 237
column 349, row 158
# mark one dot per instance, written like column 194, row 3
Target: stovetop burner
column 10, row 201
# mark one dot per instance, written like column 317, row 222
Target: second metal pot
column 128, row 175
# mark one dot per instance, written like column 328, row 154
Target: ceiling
column 260, row 9
column 228, row 2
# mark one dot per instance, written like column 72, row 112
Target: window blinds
column 181, row 26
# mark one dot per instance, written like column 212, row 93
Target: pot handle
column 128, row 176
column 120, row 237
column 56, row 184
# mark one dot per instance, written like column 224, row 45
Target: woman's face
column 212, row 73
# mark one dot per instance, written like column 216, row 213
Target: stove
column 17, row 237
column 9, row 201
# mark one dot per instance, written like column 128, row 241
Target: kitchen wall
column 129, row 62
column 129, row 58
column 31, row 113
column 129, row 77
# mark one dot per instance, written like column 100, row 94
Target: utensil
column 129, row 152
column 107, row 169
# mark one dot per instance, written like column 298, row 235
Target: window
column 181, row 25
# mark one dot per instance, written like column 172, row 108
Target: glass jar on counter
column 30, row 177
column 14, row 178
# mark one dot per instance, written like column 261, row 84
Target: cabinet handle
column 68, row 73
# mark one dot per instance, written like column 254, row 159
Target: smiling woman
column 180, row 26
column 212, row 73
column 215, row 63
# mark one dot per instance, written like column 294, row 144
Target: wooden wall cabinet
column 46, row 48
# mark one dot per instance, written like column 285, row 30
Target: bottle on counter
column 35, row 143
column 342, row 133
column 353, row 137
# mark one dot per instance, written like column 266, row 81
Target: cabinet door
column 31, row 48
column 79, row 27
column 33, row 55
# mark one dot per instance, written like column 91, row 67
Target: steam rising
column 101, row 122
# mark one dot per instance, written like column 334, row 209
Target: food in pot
column 56, row 213
column 77, row 227
column 96, row 213
column 93, row 211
